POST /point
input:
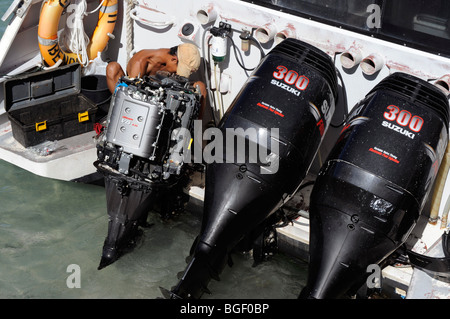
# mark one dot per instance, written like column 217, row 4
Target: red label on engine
column 271, row 108
column 402, row 121
column 384, row 154
column 321, row 126
column 289, row 80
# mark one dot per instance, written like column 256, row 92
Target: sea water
column 4, row 5
column 51, row 239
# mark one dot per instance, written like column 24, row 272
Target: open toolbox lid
column 40, row 87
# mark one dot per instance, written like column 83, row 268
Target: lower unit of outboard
column 273, row 130
column 374, row 184
column 142, row 155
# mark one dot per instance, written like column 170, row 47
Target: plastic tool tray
column 47, row 105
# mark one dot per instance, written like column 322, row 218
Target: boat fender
column 48, row 31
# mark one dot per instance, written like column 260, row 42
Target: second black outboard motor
column 374, row 184
column 283, row 110
column 142, row 154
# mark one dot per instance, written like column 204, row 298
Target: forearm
column 136, row 68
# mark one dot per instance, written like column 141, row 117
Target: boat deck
column 423, row 286
column 63, row 159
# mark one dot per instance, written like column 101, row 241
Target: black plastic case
column 47, row 105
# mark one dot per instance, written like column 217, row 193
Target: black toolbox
column 47, row 105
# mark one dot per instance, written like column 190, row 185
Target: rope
column 96, row 9
column 129, row 26
column 73, row 36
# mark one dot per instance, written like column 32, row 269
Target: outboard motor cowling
column 375, row 182
column 283, row 112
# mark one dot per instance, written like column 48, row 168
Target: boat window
column 422, row 24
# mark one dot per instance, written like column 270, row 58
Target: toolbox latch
column 83, row 117
column 41, row 126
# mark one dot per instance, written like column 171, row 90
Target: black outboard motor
column 371, row 190
column 292, row 91
column 142, row 154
